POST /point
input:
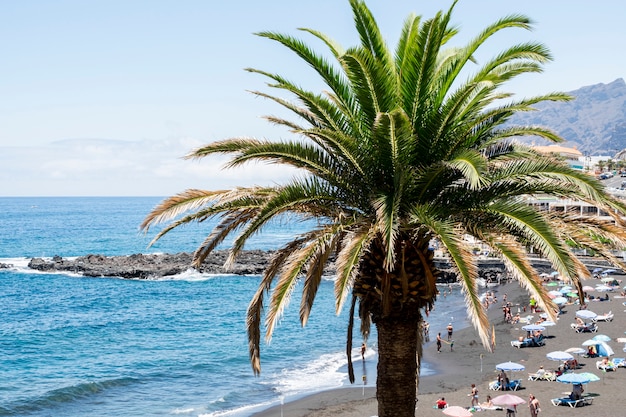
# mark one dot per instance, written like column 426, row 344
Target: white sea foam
column 245, row 410
column 320, row 374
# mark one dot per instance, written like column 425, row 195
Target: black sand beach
column 471, row 363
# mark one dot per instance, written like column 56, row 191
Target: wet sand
column 471, row 363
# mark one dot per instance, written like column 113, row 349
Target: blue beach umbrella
column 559, row 300
column 573, row 378
column 592, row 377
column 510, row 366
column 601, row 337
column 533, row 328
column 566, row 289
column 596, row 270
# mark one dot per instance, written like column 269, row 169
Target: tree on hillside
column 403, row 147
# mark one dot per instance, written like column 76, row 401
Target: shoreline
column 471, row 363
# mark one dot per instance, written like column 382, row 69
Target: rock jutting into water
column 145, row 266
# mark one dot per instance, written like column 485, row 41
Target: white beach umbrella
column 510, row 366
column 586, row 314
column 601, row 337
column 559, row 356
column 588, row 288
column 554, row 294
column 560, row 301
column 575, row 350
column 604, row 288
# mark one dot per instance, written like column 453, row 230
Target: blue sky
column 104, row 97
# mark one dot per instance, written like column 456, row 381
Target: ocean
column 78, row 346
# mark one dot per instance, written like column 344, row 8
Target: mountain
column 594, row 122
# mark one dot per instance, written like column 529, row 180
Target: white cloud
column 114, row 167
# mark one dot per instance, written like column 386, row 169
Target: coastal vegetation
column 403, row 148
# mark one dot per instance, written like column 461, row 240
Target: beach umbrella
column 548, row 323
column 554, row 273
column 559, row 355
column 510, row 366
column 609, row 271
column 507, row 399
column 592, row 377
column 596, row 270
column 533, row 328
column 554, row 293
column 572, row 294
column 552, row 284
column 601, row 337
column 586, row 314
column 575, row 350
column 603, row 288
column 559, row 300
column 588, row 288
column 457, row 411
column 566, row 289
column 607, row 279
column 573, row 378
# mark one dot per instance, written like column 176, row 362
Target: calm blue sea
column 76, row 346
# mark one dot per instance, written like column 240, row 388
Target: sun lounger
column 545, row 376
column 605, row 317
column 587, row 328
column 572, row 403
column 513, row 385
column 605, row 366
column 529, row 342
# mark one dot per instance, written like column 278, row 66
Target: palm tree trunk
column 396, row 386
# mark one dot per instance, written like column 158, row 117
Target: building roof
column 560, row 150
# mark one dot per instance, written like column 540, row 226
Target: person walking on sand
column 450, row 328
column 438, row 342
column 363, row 349
column 533, row 405
column 474, row 395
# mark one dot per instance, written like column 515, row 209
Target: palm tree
column 403, row 148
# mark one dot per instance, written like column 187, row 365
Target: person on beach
column 503, row 381
column 577, row 392
column 363, row 349
column 511, row 410
column 449, row 328
column 441, row 403
column 487, row 404
column 439, row 342
column 474, row 396
column 533, row 405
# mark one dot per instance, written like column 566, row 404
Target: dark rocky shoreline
column 147, row 266
column 250, row 262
